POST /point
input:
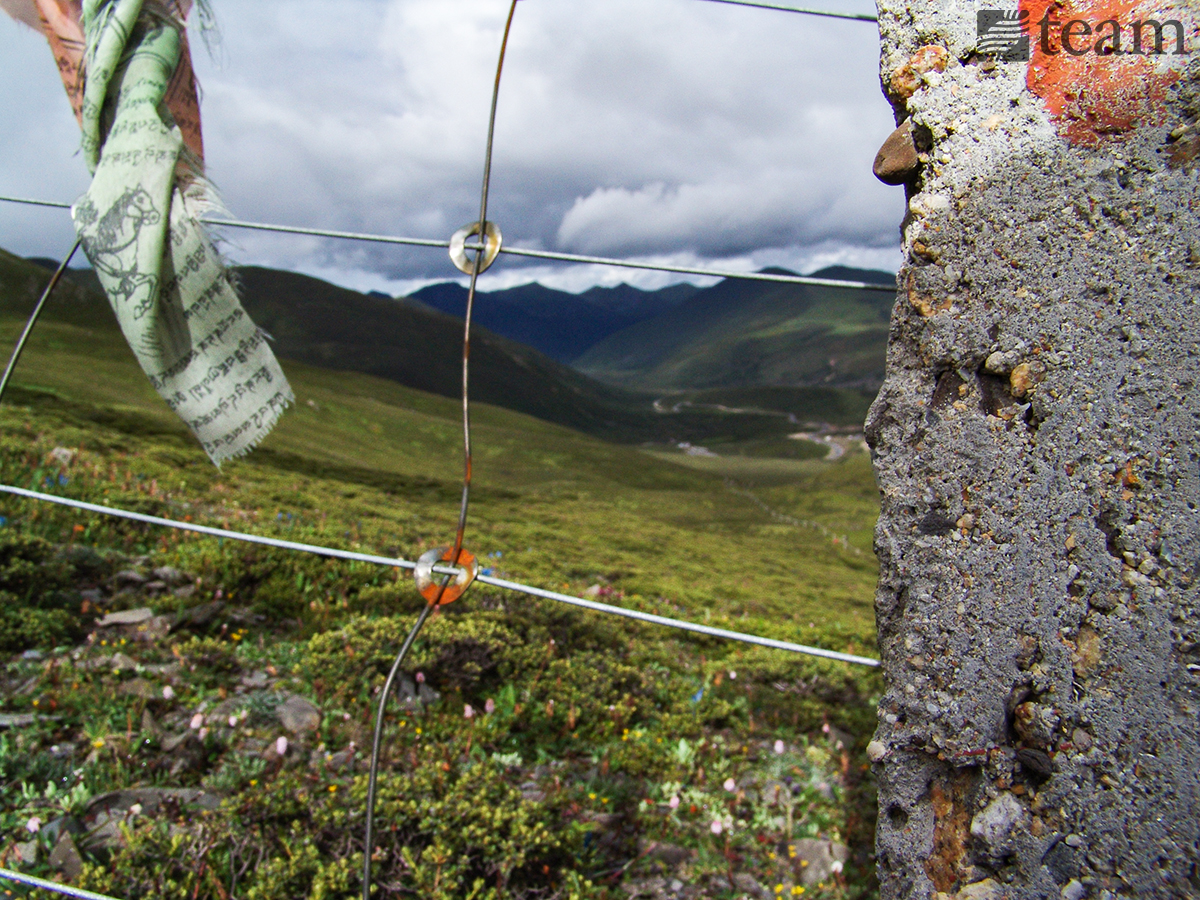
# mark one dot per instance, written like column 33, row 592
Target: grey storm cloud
column 672, row 129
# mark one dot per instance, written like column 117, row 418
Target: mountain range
column 559, row 324
column 408, row 342
column 736, row 334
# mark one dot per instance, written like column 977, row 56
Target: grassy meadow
column 213, row 745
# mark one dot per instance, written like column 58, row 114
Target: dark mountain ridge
column 559, row 324
column 755, row 333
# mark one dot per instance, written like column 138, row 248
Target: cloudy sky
column 672, row 130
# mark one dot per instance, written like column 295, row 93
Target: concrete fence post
column 1037, row 446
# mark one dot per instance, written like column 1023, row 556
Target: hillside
column 751, row 334
column 321, row 324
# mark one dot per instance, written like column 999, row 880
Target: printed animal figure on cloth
column 112, row 246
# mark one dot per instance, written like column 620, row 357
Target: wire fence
column 517, row 251
column 857, row 17
column 335, row 553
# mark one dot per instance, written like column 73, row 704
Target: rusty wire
column 33, row 317
column 460, row 533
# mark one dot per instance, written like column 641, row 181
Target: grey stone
column 820, row 856
column 298, row 715
column 126, row 616
column 150, row 800
column 646, row 887
column 65, row 857
column 187, row 753
column 150, row 727
column 142, row 689
column 748, row 884
column 1073, row 890
column 532, row 791
column 17, row 720
column 52, row 831
column 343, row 760
column 121, row 663
column 256, row 680
column 1001, row 362
column 170, row 575
column 27, row 851
column 199, row 617
column 993, row 826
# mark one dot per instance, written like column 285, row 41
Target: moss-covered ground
column 533, row 750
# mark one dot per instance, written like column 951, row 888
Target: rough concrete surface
column 1037, row 446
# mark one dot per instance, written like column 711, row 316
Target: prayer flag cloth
column 139, row 225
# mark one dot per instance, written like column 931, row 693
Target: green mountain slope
column 318, row 323
column 591, row 508
column 744, row 334
column 530, row 741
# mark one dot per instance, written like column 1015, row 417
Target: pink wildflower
column 420, row 678
column 716, row 827
column 468, row 711
column 730, row 785
column 281, row 745
column 673, row 802
column 34, row 825
column 197, row 721
column 168, row 692
column 490, row 706
column 779, row 747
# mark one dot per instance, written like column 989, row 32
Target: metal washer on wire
column 441, row 594
column 491, row 241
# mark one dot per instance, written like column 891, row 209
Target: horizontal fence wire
column 651, row 618
column 858, row 17
column 55, row 886
column 519, row 251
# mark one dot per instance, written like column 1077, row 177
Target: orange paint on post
column 1084, row 63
